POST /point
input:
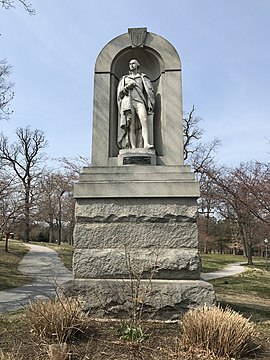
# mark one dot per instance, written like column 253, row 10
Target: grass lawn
column 214, row 262
column 248, row 293
column 10, row 277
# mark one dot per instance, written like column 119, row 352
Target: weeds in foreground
column 139, row 290
column 128, row 331
column 223, row 332
column 59, row 319
column 163, row 343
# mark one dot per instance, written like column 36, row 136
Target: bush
column 223, row 332
column 59, row 319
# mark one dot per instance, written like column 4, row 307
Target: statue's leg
column 142, row 114
column 132, row 129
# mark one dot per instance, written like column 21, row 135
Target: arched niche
column 160, row 61
column 153, row 66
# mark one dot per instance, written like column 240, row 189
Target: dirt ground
column 102, row 343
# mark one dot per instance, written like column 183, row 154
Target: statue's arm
column 150, row 93
column 121, row 91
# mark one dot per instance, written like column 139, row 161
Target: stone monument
column 136, row 206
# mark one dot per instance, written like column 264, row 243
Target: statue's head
column 134, row 64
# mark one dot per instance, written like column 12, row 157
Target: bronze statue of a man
column 136, row 100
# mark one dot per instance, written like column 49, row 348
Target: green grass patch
column 254, row 281
column 247, row 293
column 259, row 263
column 214, row 262
column 10, row 277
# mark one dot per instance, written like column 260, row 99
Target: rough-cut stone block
column 136, row 235
column 161, row 299
column 155, row 208
column 120, row 263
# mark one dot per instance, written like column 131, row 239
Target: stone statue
column 136, row 100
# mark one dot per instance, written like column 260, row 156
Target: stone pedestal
column 138, row 222
column 129, row 157
column 162, row 299
column 135, row 234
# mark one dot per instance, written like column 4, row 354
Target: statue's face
column 133, row 64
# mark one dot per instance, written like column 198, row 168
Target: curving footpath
column 45, row 267
column 229, row 270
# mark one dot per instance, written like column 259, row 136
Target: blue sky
column 223, row 45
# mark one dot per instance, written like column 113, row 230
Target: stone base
column 155, row 234
column 129, row 157
column 161, row 299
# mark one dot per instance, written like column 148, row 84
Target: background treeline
column 234, row 207
column 36, row 193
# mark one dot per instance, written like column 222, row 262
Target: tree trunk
column 27, row 214
column 249, row 254
column 51, row 232
column 6, row 242
column 60, row 221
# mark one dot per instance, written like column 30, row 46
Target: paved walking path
column 229, row 270
column 45, row 267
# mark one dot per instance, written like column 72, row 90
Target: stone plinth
column 126, row 225
column 162, row 299
column 136, row 181
column 131, row 157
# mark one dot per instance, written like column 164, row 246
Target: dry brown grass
column 14, row 354
column 57, row 319
column 223, row 332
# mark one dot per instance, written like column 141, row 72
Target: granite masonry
column 136, row 206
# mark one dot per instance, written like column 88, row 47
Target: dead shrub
column 223, row 332
column 58, row 352
column 13, row 355
column 59, row 319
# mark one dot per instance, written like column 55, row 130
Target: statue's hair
column 136, row 61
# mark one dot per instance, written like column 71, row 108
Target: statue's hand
column 122, row 93
column 130, row 85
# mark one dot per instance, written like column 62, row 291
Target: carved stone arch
column 160, row 61
column 153, row 66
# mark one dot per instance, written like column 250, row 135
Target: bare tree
column 9, row 4
column 10, row 205
column 56, row 204
column 6, row 93
column 242, row 196
column 74, row 165
column 191, row 132
column 24, row 158
column 73, row 168
column 6, row 88
column 255, row 178
column 63, row 186
column 200, row 155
